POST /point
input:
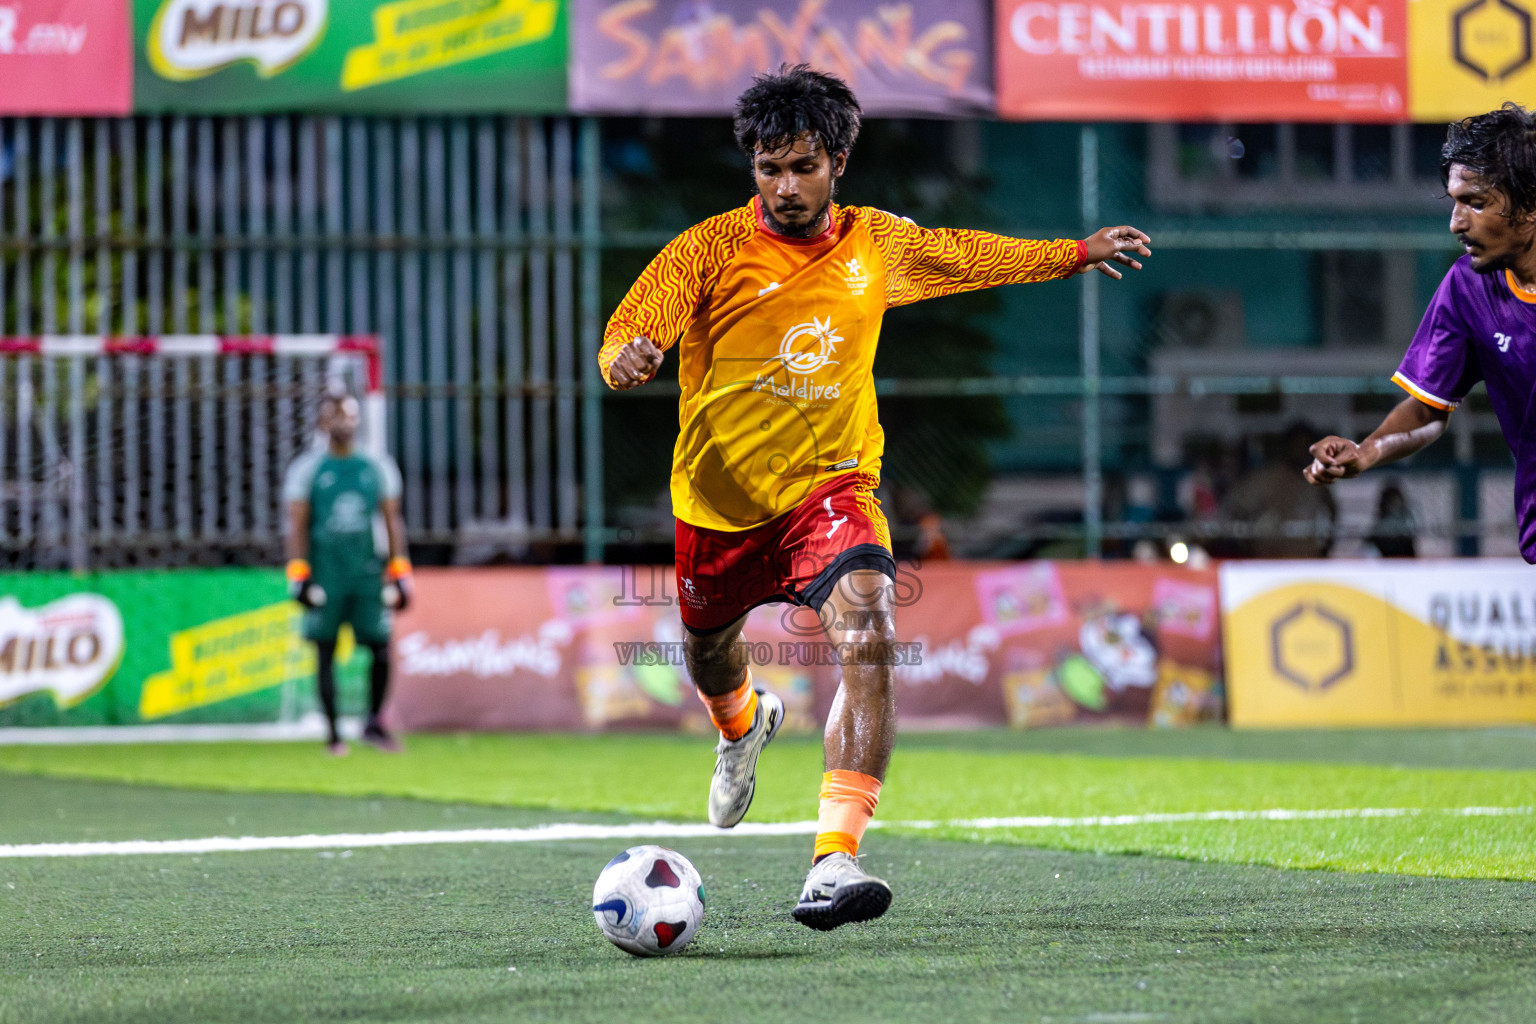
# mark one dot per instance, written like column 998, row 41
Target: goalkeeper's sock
column 848, row 802
column 378, row 680
column 733, row 712
column 325, row 682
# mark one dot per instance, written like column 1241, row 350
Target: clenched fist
column 1334, row 458
column 635, row 364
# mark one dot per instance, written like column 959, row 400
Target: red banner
column 1028, row 644
column 65, row 57
column 1219, row 60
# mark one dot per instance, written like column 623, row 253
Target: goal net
column 164, row 450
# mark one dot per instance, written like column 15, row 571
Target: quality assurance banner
column 1468, row 58
column 1238, row 60
column 211, row 56
column 681, row 57
column 1039, row 644
column 65, row 58
column 1331, row 643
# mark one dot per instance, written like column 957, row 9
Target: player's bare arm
column 636, row 363
column 296, row 543
column 398, row 587
column 301, row 587
column 1410, row 427
column 1108, row 249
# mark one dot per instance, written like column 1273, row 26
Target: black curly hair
column 780, row 106
column 1499, row 146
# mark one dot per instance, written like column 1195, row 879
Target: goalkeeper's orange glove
column 397, row 585
column 301, row 588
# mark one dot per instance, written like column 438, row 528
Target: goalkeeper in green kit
column 334, row 495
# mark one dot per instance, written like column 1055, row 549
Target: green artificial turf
column 1493, row 747
column 976, row 933
column 666, row 777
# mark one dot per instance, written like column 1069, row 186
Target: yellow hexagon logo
column 1312, row 647
column 1491, row 38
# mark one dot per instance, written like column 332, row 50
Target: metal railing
column 468, row 244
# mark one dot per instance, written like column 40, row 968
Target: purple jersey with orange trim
column 1483, row 327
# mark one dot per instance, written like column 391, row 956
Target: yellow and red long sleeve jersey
column 776, row 343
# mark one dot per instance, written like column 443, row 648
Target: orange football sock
column 848, row 802
column 733, row 712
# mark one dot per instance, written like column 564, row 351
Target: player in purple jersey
column 1481, row 324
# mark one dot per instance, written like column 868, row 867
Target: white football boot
column 735, row 781
column 838, row 891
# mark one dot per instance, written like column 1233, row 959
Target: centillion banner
column 1335, row 643
column 1469, row 56
column 1239, row 60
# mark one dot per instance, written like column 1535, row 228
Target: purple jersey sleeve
column 1441, row 366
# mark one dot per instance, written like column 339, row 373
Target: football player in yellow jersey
column 775, row 310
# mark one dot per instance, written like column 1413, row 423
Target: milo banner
column 157, row 646
column 1034, row 644
column 682, row 57
column 216, row 56
column 1363, row 644
column 65, row 57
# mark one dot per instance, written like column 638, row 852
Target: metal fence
column 468, row 244
column 472, row 246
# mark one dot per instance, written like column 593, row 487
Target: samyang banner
column 1337, row 643
column 1027, row 645
column 682, row 57
column 212, row 56
column 65, row 58
column 1218, row 60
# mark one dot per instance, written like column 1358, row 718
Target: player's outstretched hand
column 1334, row 458
column 1109, row 246
column 635, row 364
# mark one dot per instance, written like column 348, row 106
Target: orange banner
column 1219, row 60
column 1026, row 644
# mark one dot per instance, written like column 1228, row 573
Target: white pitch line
column 673, row 830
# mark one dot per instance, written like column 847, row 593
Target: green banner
column 356, row 56
column 158, row 646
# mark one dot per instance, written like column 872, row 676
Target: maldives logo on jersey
column 804, row 349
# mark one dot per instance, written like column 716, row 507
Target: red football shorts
column 798, row 557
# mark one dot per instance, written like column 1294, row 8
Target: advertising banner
column 1238, row 60
column 1468, row 58
column 161, row 646
column 686, row 58
column 65, row 57
column 1041, row 643
column 1350, row 644
column 211, row 56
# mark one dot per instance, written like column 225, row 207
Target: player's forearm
column 296, row 543
column 945, row 261
column 614, row 340
column 1409, row 428
column 394, row 526
column 996, row 259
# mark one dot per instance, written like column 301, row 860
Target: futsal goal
column 164, row 450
